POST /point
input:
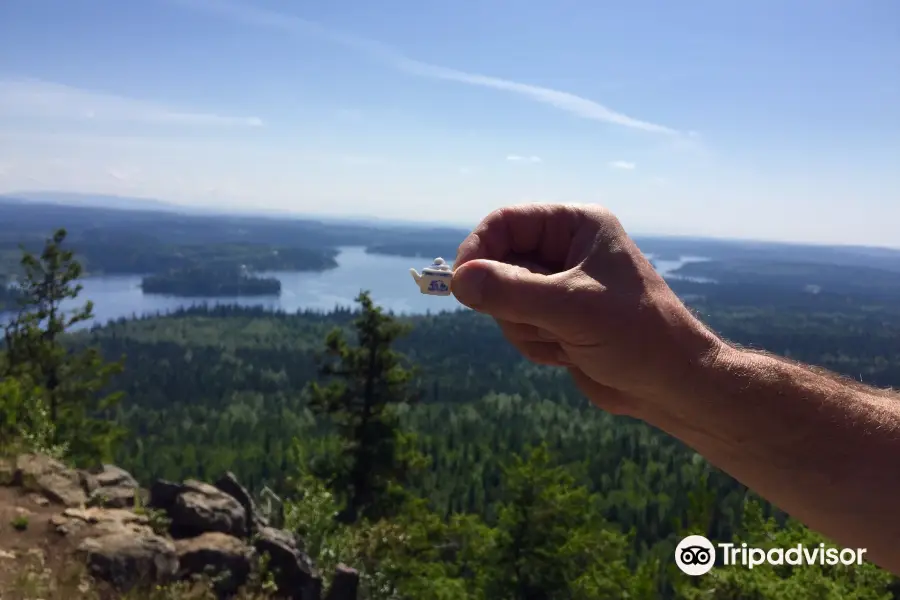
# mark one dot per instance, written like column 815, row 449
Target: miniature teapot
column 434, row 280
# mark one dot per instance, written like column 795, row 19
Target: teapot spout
column 415, row 275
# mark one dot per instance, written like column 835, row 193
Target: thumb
column 508, row 292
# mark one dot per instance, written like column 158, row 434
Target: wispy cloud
column 517, row 158
column 576, row 105
column 622, row 165
column 34, row 98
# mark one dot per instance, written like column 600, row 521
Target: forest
column 481, row 476
column 205, row 281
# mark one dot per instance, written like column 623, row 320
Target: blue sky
column 770, row 119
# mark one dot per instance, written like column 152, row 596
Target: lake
column 386, row 277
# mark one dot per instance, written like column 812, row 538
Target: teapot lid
column 440, row 263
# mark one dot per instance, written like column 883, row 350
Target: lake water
column 386, row 277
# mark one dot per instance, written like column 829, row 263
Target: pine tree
column 552, row 542
column 72, row 381
column 366, row 382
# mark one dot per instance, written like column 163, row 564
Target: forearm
column 824, row 450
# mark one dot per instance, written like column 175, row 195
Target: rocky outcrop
column 100, row 521
column 200, row 508
column 192, row 528
column 229, row 484
column 128, row 559
column 50, row 478
column 293, row 569
column 112, row 487
column 226, row 559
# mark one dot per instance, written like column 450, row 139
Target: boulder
column 229, row 484
column 163, row 494
column 113, row 476
column 201, row 508
column 224, row 558
column 127, row 560
column 294, row 573
column 50, row 478
column 345, row 584
column 101, row 521
column 117, row 497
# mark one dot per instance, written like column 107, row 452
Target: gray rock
column 163, row 494
column 127, row 559
column 226, row 559
column 50, row 478
column 229, row 484
column 117, row 497
column 295, row 575
column 201, row 508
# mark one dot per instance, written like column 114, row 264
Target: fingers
column 524, row 332
column 511, row 293
column 542, row 231
column 536, row 345
column 609, row 399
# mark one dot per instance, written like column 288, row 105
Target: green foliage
column 208, row 281
column 70, row 382
column 551, row 539
column 366, row 382
column 20, row 523
column 25, row 424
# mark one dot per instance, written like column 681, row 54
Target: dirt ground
column 36, row 562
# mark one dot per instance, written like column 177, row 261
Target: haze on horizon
column 769, row 120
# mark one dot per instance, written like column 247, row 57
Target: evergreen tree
column 552, row 542
column 366, row 382
column 72, row 381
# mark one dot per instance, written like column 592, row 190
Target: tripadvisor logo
column 695, row 555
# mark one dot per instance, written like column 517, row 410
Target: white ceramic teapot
column 434, row 280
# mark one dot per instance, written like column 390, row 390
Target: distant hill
column 93, row 201
column 76, row 199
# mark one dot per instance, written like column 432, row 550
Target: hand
column 568, row 287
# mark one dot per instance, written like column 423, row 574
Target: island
column 109, row 257
column 194, row 282
column 444, row 248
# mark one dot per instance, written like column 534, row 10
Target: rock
column 226, row 559
column 10, row 555
column 345, row 584
column 106, row 476
column 38, row 499
column 201, row 508
column 229, row 484
column 47, row 476
column 65, row 526
column 163, row 494
column 102, row 521
column 126, row 560
column 117, row 497
column 113, row 476
column 295, row 575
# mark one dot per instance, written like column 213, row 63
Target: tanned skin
column 569, row 288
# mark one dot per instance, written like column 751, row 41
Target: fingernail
column 467, row 285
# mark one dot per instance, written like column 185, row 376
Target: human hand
column 569, row 287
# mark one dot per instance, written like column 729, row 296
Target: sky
column 765, row 119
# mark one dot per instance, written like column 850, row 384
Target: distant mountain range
column 153, row 204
